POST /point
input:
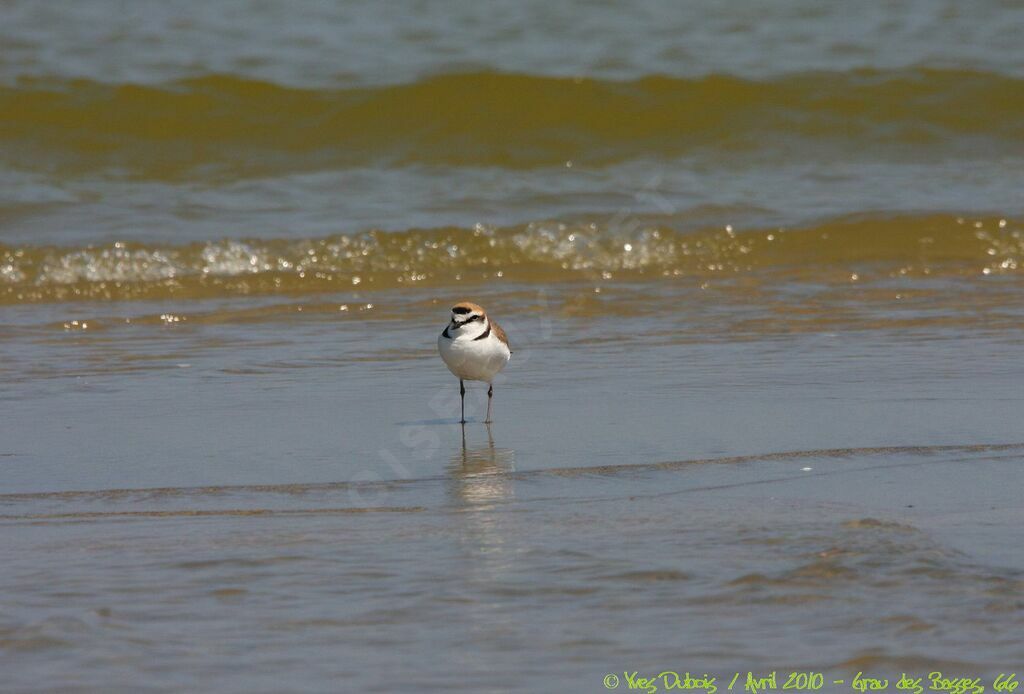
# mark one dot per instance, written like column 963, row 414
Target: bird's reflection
column 480, row 474
column 480, row 486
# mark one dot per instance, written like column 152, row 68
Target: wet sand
column 294, row 506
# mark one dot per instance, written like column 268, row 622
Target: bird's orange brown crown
column 467, row 307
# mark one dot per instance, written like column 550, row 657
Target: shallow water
column 287, row 502
column 761, row 275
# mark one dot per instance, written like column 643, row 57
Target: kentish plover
column 475, row 348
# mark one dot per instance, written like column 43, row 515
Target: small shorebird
column 475, row 348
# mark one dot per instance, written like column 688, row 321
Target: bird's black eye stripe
column 460, row 310
column 472, row 318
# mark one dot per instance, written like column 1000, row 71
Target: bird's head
column 467, row 313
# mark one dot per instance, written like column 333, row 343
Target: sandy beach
column 761, row 275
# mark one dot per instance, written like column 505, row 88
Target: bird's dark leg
column 490, row 392
column 462, row 394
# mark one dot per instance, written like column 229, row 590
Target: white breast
column 474, row 360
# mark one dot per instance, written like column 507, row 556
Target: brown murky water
column 762, row 276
